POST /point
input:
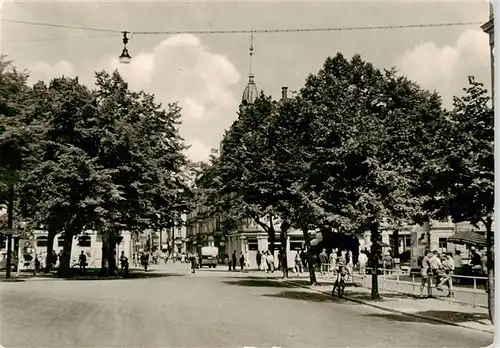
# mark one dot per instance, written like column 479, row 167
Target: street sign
column 8, row 231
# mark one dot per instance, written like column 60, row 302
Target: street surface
column 213, row 308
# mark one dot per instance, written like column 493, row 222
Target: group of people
column 232, row 261
column 438, row 267
column 337, row 262
column 265, row 261
column 442, row 267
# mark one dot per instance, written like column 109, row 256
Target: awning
column 468, row 237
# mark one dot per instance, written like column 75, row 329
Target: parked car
column 209, row 256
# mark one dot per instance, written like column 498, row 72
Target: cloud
column 198, row 151
column 445, row 68
column 45, row 72
column 182, row 69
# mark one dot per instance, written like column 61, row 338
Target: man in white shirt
column 363, row 260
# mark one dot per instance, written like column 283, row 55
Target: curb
column 387, row 309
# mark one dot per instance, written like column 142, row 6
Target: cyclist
column 124, row 264
column 341, row 271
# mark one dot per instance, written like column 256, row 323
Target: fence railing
column 406, row 282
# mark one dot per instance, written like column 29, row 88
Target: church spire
column 250, row 92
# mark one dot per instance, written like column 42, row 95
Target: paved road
column 212, row 308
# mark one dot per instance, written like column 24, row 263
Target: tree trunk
column 284, row 255
column 113, row 269
column 65, row 263
column 310, row 264
column 104, row 254
column 376, row 239
column 10, row 225
column 490, row 265
column 395, row 237
column 272, row 235
column 50, row 248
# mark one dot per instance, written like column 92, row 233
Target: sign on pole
column 8, row 231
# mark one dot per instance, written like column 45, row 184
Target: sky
column 207, row 74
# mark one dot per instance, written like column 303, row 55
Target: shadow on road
column 304, row 296
column 452, row 316
column 134, row 275
column 11, row 280
column 258, row 282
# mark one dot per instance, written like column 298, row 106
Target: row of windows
column 83, row 241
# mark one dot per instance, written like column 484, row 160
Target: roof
column 468, row 237
column 250, row 93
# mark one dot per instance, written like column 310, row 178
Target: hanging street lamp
column 125, row 57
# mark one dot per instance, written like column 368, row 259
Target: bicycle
column 339, row 284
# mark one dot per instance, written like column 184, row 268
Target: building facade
column 90, row 243
column 489, row 28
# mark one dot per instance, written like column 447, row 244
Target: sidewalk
column 433, row 309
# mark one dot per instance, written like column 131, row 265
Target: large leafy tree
column 246, row 167
column 469, row 169
column 14, row 137
column 108, row 159
column 371, row 129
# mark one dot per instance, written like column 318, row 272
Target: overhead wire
column 75, row 27
column 62, row 38
column 245, row 31
column 256, row 31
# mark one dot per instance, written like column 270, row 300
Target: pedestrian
column 258, row 258
column 363, row 260
column 270, row 262
column 82, row 261
column 350, row 265
column 144, row 261
column 436, row 265
column 303, row 257
column 242, row 261
column 457, row 258
column 124, row 264
column 323, row 259
column 332, row 261
column 37, row 265
column 448, row 266
column 264, row 261
column 234, row 260
column 298, row 263
column 426, row 274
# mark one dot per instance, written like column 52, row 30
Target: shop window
column 253, row 246
column 84, row 241
column 41, row 241
column 442, row 244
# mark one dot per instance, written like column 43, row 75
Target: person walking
column 242, row 261
column 234, row 260
column 82, row 261
column 270, row 262
column 264, row 261
column 363, row 260
column 426, row 274
column 457, row 259
column 258, row 258
column 350, row 265
column 303, row 257
column 436, row 266
column 323, row 259
column 298, row 263
column 332, row 261
column 448, row 266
